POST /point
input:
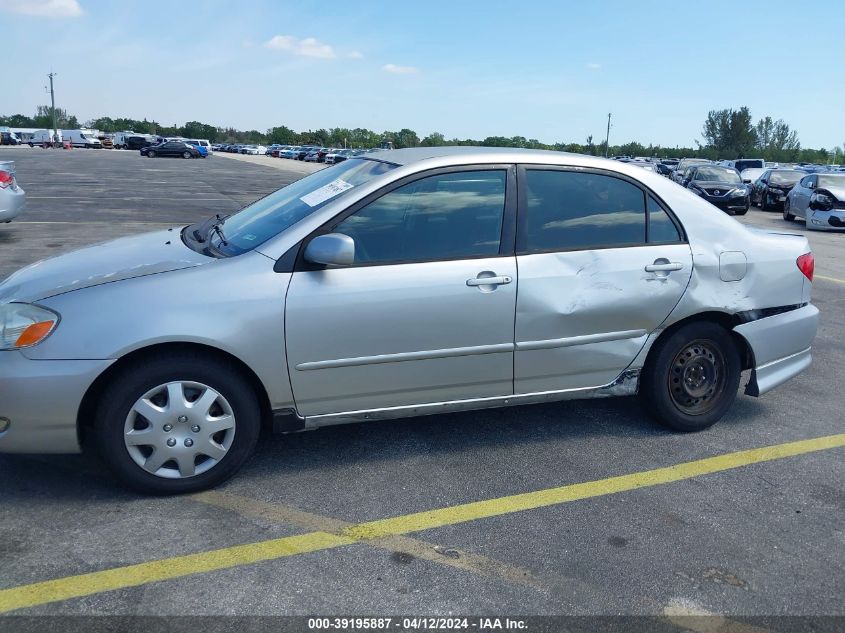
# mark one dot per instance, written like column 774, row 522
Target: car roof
column 464, row 154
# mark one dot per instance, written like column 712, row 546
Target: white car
column 255, row 149
column 12, row 197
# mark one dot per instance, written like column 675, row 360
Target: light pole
column 607, row 137
column 53, row 106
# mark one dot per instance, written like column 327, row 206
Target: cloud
column 308, row 47
column 400, row 70
column 593, row 66
column 355, row 55
column 43, row 8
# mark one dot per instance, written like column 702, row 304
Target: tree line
column 726, row 134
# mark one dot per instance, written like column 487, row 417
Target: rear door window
column 574, row 210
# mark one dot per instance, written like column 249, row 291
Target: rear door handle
column 661, row 268
column 489, row 281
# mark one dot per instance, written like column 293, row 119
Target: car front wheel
column 177, row 424
column 691, row 377
column 151, row 154
column 786, row 214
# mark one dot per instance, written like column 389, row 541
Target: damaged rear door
column 601, row 264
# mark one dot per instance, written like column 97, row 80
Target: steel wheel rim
column 179, row 429
column 697, row 377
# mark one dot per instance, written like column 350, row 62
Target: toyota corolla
column 398, row 284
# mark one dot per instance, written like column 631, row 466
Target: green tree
column 195, row 129
column 730, row 133
column 435, row 139
column 282, row 135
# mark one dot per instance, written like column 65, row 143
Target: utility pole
column 607, row 138
column 53, row 105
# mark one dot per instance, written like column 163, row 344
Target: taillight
column 6, row 179
column 806, row 264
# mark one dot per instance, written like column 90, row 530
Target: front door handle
column 489, row 281
column 663, row 266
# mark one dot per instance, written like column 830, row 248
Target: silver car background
column 393, row 284
column 820, row 200
column 12, row 196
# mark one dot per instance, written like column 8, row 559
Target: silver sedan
column 398, row 283
column 12, row 196
column 820, row 200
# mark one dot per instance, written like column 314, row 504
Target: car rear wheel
column 186, row 154
column 786, row 214
column 691, row 377
column 178, row 424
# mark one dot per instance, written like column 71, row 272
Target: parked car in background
column 138, row 142
column 172, row 148
column 720, row 186
column 819, row 199
column 771, row 188
column 9, row 138
column 12, row 199
column 291, row 152
column 742, row 164
column 750, row 175
column 255, row 311
column 685, row 163
column 254, row 150
column 303, row 151
column 200, row 142
column 317, row 155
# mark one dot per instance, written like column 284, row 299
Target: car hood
column 119, row 259
column 719, row 184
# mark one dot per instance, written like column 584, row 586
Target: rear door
column 426, row 312
column 601, row 265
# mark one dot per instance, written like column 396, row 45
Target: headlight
column 25, row 325
column 740, row 191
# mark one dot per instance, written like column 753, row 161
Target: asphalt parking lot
column 298, row 531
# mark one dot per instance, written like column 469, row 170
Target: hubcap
column 697, row 378
column 160, row 434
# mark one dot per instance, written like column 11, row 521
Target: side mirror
column 331, row 249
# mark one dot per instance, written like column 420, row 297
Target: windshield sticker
column 327, row 192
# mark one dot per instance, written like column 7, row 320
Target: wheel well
column 88, row 406
column 727, row 321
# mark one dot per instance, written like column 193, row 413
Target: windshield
column 721, row 174
column 280, row 210
column 786, row 177
column 832, row 181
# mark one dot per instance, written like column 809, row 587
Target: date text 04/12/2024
column 416, row 624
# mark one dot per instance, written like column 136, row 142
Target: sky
column 550, row 70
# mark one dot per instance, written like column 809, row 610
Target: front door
column 426, row 312
column 601, row 265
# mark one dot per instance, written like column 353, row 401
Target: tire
column 186, row 154
column 786, row 214
column 691, row 377
column 151, row 154
column 763, row 206
column 204, row 382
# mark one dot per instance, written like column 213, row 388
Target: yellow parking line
column 166, row 569
column 833, row 279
